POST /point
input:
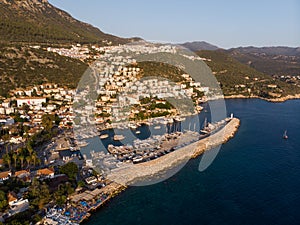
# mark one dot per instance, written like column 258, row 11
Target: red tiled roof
column 5, row 174
column 18, row 173
column 46, row 171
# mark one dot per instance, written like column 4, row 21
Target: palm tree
column 19, row 150
column 15, row 157
column 28, row 160
column 29, row 149
column 22, row 157
column 34, row 158
column 5, row 139
column 7, row 159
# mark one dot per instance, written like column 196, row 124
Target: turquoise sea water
column 255, row 179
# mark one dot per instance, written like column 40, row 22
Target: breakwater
column 162, row 167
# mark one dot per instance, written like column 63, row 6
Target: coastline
column 274, row 100
column 160, row 168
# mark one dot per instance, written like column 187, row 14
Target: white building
column 37, row 101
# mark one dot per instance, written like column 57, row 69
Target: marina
column 159, row 145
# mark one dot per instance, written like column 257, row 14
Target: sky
column 227, row 24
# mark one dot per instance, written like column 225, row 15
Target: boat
column 104, row 136
column 285, row 135
column 138, row 132
column 119, row 137
column 132, row 126
column 156, row 127
column 170, row 120
column 179, row 119
column 82, row 143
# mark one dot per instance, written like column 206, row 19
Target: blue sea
column 255, row 178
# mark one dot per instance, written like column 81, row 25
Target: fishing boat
column 138, row 132
column 104, row 136
column 285, row 135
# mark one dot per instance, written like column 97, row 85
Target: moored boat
column 119, row 137
column 104, row 136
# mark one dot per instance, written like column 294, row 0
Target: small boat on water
column 104, row 136
column 138, row 132
column 119, row 137
column 285, row 135
column 156, row 127
column 82, row 143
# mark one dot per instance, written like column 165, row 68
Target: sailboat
column 285, row 135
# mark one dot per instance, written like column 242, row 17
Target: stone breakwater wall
column 167, row 165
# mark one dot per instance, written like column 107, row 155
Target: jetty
column 131, row 174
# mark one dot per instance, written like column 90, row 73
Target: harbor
column 160, row 145
column 130, row 174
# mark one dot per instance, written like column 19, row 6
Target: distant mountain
column 279, row 50
column 269, row 60
column 37, row 21
column 236, row 77
column 199, row 45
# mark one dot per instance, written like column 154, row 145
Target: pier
column 133, row 173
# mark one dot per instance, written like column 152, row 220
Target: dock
column 135, row 173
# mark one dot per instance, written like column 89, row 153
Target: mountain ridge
column 38, row 21
column 199, row 45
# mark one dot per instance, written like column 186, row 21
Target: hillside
column 37, row 21
column 270, row 60
column 22, row 66
column 237, row 78
column 199, row 45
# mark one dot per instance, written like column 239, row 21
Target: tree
column 5, row 138
column 22, row 157
column 3, row 201
column 34, row 158
column 47, row 121
column 29, row 148
column 7, row 159
column 28, row 160
column 15, row 157
column 70, row 169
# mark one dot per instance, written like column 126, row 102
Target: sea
column 255, row 178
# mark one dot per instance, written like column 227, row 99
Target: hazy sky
column 226, row 24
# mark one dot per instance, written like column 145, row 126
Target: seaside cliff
column 165, row 166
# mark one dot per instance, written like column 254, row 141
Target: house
column 46, row 173
column 12, row 198
column 23, row 174
column 1, row 163
column 5, row 175
column 31, row 101
column 91, row 180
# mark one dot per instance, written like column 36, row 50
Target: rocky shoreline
column 163, row 167
column 281, row 99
